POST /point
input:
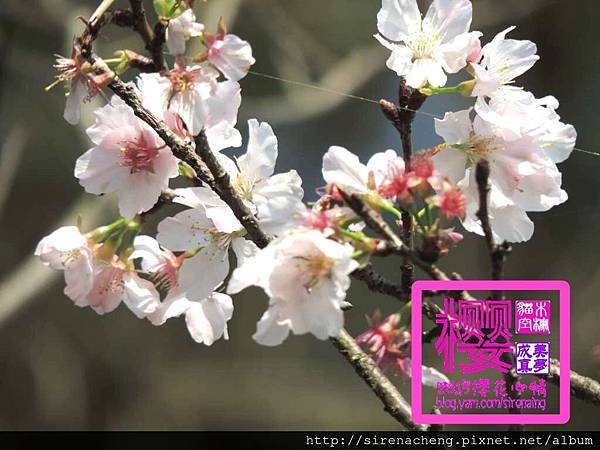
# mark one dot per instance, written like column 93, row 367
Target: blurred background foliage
column 62, row 367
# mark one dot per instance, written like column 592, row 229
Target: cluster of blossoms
column 305, row 269
column 520, row 135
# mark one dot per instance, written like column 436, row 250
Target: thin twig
column 402, row 118
column 223, row 187
column 498, row 254
column 377, row 283
column 582, row 387
column 394, row 403
column 153, row 38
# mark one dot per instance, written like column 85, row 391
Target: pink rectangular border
column 490, row 285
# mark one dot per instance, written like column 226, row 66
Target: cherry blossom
column 451, row 201
column 522, row 176
column 193, row 231
column 128, row 159
column 195, row 95
column 206, row 319
column 180, row 29
column 516, row 112
column 326, row 220
column 116, row 281
column 343, row 168
column 68, row 250
column 230, row 54
column 503, row 60
column 83, row 84
column 276, row 199
column 425, row 49
column 306, row 277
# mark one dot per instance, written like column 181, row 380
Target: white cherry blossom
column 116, row 282
column 230, row 54
column 206, row 319
column 180, row 29
column 425, row 49
column 515, row 112
column 276, row 199
column 203, row 103
column 306, row 277
column 192, row 230
column 522, row 176
column 68, row 250
column 343, row 168
column 128, row 159
column 503, row 60
column 81, row 80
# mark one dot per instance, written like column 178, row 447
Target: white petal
column 381, row 162
column 172, row 306
column 197, row 197
column 451, row 163
column 207, row 320
column 344, row 168
column 99, row 172
column 455, row 127
column 400, row 60
column 139, row 193
column 233, row 58
column 223, row 219
column 140, row 295
column 78, row 93
column 258, row 162
column 221, row 116
column 398, row 19
column 201, row 274
column 425, row 71
column 147, row 248
column 449, row 18
column 186, row 230
column 453, row 54
column 268, row 331
column 278, row 200
column 244, row 250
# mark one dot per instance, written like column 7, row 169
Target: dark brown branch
column 394, row 403
column 499, row 252
column 402, row 118
column 582, row 387
column 374, row 220
column 223, row 187
column 377, row 283
column 153, row 38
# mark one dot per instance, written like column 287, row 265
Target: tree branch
column 582, row 387
column 402, row 118
column 223, row 187
column 366, row 368
column 498, row 254
column 377, row 283
column 153, row 39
